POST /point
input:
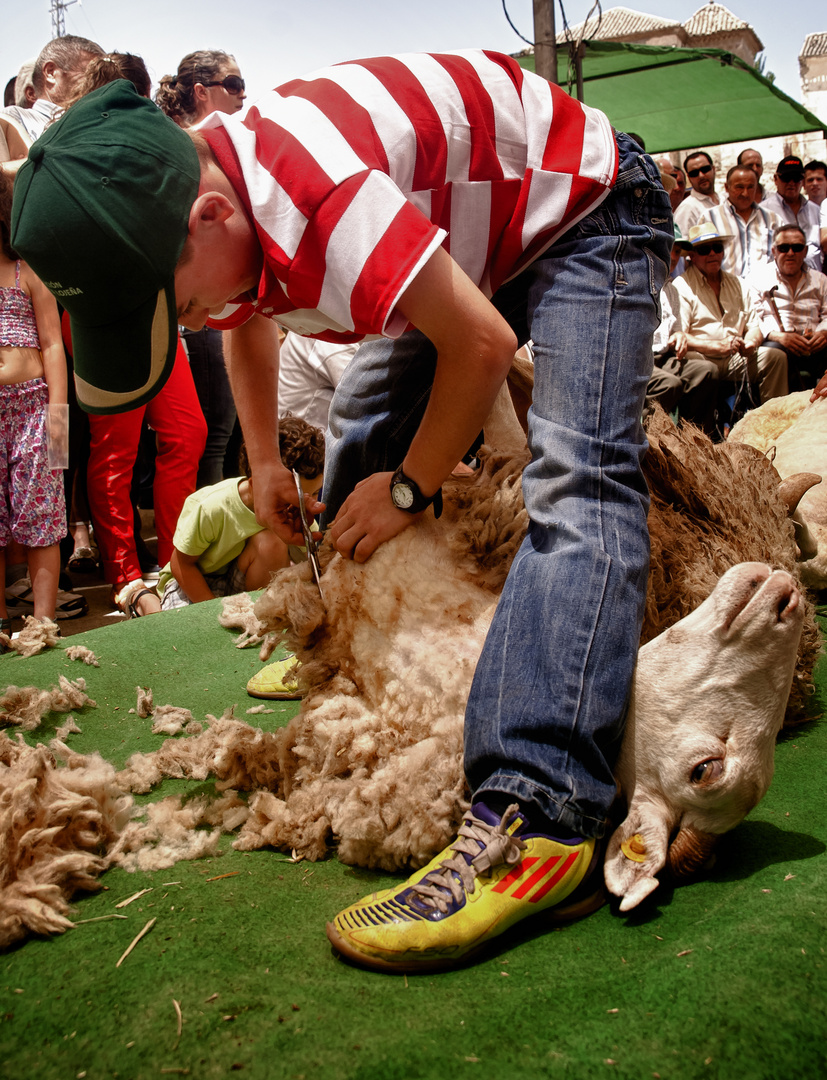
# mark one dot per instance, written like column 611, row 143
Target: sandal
column 20, row 601
column 5, row 628
column 82, row 561
column 127, row 599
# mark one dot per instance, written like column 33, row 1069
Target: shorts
column 226, row 582
column 32, row 505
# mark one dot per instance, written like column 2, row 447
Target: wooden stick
column 99, row 918
column 177, row 1006
column 135, row 896
column 145, row 930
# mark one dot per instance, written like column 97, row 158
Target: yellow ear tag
column 634, row 848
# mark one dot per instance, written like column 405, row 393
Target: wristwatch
column 406, row 495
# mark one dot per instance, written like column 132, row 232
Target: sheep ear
column 635, row 854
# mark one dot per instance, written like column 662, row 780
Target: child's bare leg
column 44, row 571
column 263, row 554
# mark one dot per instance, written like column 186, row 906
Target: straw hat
column 703, row 233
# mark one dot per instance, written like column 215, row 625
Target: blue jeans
column 547, row 705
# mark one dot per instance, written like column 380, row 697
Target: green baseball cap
column 101, row 210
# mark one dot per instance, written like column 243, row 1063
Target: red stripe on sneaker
column 538, row 875
column 552, row 881
column 521, row 868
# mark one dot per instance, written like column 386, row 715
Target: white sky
column 274, row 40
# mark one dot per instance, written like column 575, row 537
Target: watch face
column 402, row 496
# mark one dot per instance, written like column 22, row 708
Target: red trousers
column 175, row 416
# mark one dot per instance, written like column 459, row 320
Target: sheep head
column 708, row 702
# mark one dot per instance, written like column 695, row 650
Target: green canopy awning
column 677, row 99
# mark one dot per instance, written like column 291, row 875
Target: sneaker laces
column 478, row 847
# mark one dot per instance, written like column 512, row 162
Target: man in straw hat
column 718, row 318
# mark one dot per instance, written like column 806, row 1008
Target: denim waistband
column 634, row 166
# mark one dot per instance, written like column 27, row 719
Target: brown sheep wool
column 57, row 826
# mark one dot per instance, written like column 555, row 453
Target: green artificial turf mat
column 721, row 978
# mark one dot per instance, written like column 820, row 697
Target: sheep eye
column 705, row 772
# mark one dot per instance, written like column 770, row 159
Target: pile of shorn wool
column 58, row 827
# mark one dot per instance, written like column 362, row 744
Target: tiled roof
column 814, row 45
column 619, row 23
column 713, row 19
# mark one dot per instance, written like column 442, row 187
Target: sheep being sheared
column 793, row 432
column 374, row 757
column 707, row 704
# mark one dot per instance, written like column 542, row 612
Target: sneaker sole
column 425, row 967
column 276, row 695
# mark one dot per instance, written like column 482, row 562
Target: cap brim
column 122, row 365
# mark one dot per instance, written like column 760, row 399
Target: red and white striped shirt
column 354, row 175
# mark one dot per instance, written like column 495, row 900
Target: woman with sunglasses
column 207, row 81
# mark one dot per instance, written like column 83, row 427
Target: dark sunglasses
column 715, row 248
column 233, row 84
column 697, row 172
column 784, row 248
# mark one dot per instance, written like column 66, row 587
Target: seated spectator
column 219, row 548
column 791, row 208
column 750, row 225
column 718, row 318
column 689, row 385
column 791, row 303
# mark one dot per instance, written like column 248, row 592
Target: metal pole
column 545, row 40
column 58, row 23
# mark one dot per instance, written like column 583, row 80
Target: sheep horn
column 793, row 487
column 689, row 852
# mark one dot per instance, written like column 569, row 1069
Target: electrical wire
column 513, row 27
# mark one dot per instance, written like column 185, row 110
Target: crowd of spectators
column 744, row 316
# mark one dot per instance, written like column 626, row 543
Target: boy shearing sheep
column 453, row 206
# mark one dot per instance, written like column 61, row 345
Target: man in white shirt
column 700, row 172
column 790, row 206
column 750, row 225
column 719, row 321
column 790, row 300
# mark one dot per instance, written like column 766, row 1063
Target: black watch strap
column 406, row 495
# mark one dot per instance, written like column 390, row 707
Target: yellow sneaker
column 277, row 681
column 490, row 878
